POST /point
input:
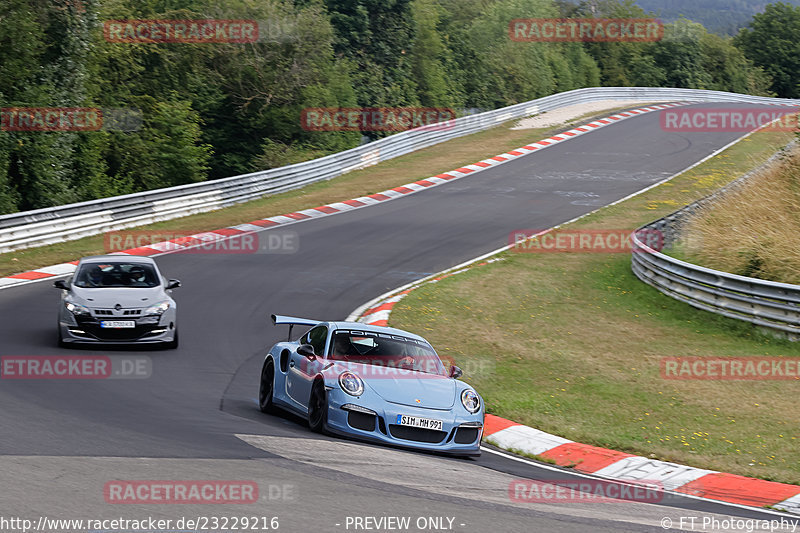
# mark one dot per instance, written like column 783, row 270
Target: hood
column 404, row 387
column 126, row 297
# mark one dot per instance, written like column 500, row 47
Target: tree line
column 215, row 110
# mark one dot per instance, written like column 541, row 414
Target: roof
column 117, row 258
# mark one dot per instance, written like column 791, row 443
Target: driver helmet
column 95, row 274
column 137, row 274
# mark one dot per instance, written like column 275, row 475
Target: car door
column 302, row 370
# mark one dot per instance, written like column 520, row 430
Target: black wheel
column 266, row 387
column 318, row 408
column 61, row 343
column 173, row 344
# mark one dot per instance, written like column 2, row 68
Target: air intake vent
column 416, row 434
column 362, row 421
column 466, row 435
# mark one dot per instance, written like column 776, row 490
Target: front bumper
column 460, row 435
column 83, row 329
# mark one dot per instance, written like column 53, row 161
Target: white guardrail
column 767, row 304
column 73, row 221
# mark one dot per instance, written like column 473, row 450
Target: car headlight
column 351, row 384
column 77, row 309
column 157, row 309
column 470, row 400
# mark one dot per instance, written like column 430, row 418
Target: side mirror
column 306, row 350
column 455, row 372
column 173, row 284
column 60, row 284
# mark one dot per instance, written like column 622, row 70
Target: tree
column 260, row 89
column 498, row 71
column 429, row 55
column 376, row 35
column 167, row 151
column 9, row 197
column 772, row 42
column 622, row 64
column 680, row 56
column 41, row 165
column 22, row 41
column 730, row 70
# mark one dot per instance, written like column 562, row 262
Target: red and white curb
column 621, row 466
column 199, row 239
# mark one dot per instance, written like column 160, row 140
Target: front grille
column 430, row 436
column 362, row 421
column 110, row 334
column 126, row 312
column 466, row 435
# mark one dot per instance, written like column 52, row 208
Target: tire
column 173, row 344
column 318, row 408
column 61, row 343
column 267, row 387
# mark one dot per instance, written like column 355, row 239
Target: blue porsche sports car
column 373, row 383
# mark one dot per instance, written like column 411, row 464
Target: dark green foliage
column 772, row 41
column 215, row 110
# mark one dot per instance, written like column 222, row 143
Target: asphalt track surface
column 62, row 440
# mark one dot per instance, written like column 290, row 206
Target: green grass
column 399, row 171
column 575, row 341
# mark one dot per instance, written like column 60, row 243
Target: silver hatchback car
column 117, row 299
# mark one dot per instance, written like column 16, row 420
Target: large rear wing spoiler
column 291, row 321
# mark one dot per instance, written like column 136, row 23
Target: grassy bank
column 753, row 230
column 571, row 344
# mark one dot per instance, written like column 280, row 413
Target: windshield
column 382, row 349
column 96, row 275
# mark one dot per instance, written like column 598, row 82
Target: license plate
column 117, row 324
column 417, row 422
